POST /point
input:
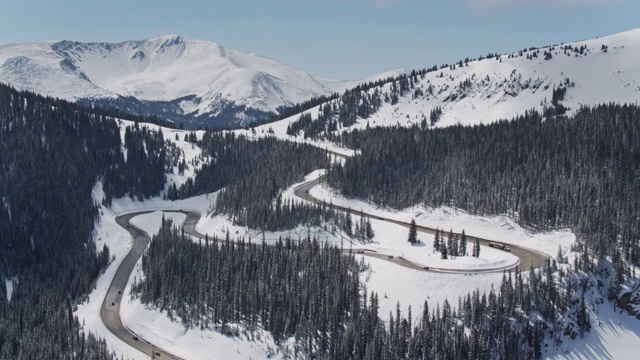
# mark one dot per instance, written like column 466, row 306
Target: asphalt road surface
column 110, row 311
column 526, row 256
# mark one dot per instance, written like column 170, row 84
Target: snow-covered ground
column 614, row 335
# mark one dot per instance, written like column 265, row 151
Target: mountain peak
column 191, row 81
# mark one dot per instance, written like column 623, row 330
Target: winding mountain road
column 527, row 257
column 110, row 310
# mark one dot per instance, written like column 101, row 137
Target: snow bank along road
column 526, row 256
column 110, row 311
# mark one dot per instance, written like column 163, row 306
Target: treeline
column 52, row 153
column 116, row 113
column 359, row 102
column 572, row 172
column 295, row 288
column 400, row 81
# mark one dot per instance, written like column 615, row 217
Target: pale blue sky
column 338, row 39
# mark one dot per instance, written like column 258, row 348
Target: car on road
column 500, row 246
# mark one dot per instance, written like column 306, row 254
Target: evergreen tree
column 450, row 240
column 463, row 244
column 369, row 234
column 444, row 253
column 436, row 240
column 413, row 232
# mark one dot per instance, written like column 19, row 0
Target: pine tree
column 463, row 245
column 369, row 230
column 583, row 316
column 454, row 245
column 476, row 248
column 348, row 223
column 413, row 232
column 436, row 241
column 444, row 252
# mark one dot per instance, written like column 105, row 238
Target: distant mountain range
column 201, row 83
column 198, row 83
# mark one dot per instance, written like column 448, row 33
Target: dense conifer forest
column 297, row 287
column 311, row 292
column 548, row 173
column 52, row 153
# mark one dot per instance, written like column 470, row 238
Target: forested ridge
column 52, row 153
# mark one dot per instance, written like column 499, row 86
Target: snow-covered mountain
column 591, row 72
column 502, row 86
column 196, row 82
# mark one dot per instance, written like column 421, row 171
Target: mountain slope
column 592, row 72
column 554, row 79
column 197, row 82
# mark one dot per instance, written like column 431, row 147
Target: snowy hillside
column 595, row 71
column 193, row 81
column 498, row 86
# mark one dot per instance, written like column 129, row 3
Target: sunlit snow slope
column 197, row 82
column 502, row 86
